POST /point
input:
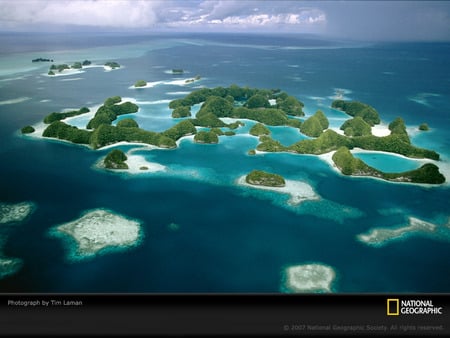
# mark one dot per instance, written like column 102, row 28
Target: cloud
column 250, row 15
column 361, row 20
column 105, row 13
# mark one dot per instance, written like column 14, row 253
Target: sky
column 353, row 20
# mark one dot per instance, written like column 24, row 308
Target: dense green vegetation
column 259, row 177
column 112, row 65
column 59, row 68
column 115, row 160
column 52, row 117
column 355, row 108
column 63, row 131
column 127, row 123
column 27, row 130
column 326, row 142
column 181, row 111
column 140, row 83
column 105, row 135
column 290, row 105
column 238, row 102
column 257, row 101
column 270, row 145
column 216, row 105
column 208, row 120
column 315, row 124
column 349, row 165
column 356, row 127
column 181, row 129
column 110, row 110
column 206, row 137
column 77, row 65
column 393, row 143
column 259, row 129
column 424, row 127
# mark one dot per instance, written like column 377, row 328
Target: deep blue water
column 230, row 239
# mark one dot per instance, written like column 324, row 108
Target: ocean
column 203, row 233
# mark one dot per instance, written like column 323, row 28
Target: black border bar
column 220, row 315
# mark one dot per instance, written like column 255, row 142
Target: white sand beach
column 299, row 191
column 65, row 72
column 138, row 164
column 444, row 166
column 381, row 130
column 309, row 278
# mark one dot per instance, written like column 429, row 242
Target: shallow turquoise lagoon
column 388, row 163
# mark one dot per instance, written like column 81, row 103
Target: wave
column 14, row 101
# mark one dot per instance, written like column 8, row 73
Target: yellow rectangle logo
column 393, row 307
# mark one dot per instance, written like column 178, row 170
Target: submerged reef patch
column 382, row 236
column 308, row 278
column 9, row 266
column 13, row 213
column 98, row 231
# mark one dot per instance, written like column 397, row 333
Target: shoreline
column 297, row 190
column 444, row 167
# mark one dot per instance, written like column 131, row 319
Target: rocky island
column 259, row 177
column 268, row 108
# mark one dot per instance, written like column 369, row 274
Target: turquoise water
column 228, row 238
column 387, row 163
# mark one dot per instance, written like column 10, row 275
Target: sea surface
column 202, row 232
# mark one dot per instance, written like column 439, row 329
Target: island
column 177, row 71
column 206, row 137
column 308, row 278
column 267, row 107
column 259, row 129
column 380, row 236
column 349, row 165
column 424, row 127
column 62, row 67
column 115, row 160
column 140, row 83
column 42, row 60
column 297, row 190
column 28, row 130
column 98, row 231
column 259, row 177
column 112, row 65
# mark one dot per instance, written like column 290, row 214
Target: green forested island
column 268, row 108
column 115, row 160
column 259, row 177
column 349, row 165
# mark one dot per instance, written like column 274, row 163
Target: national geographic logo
column 396, row 307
